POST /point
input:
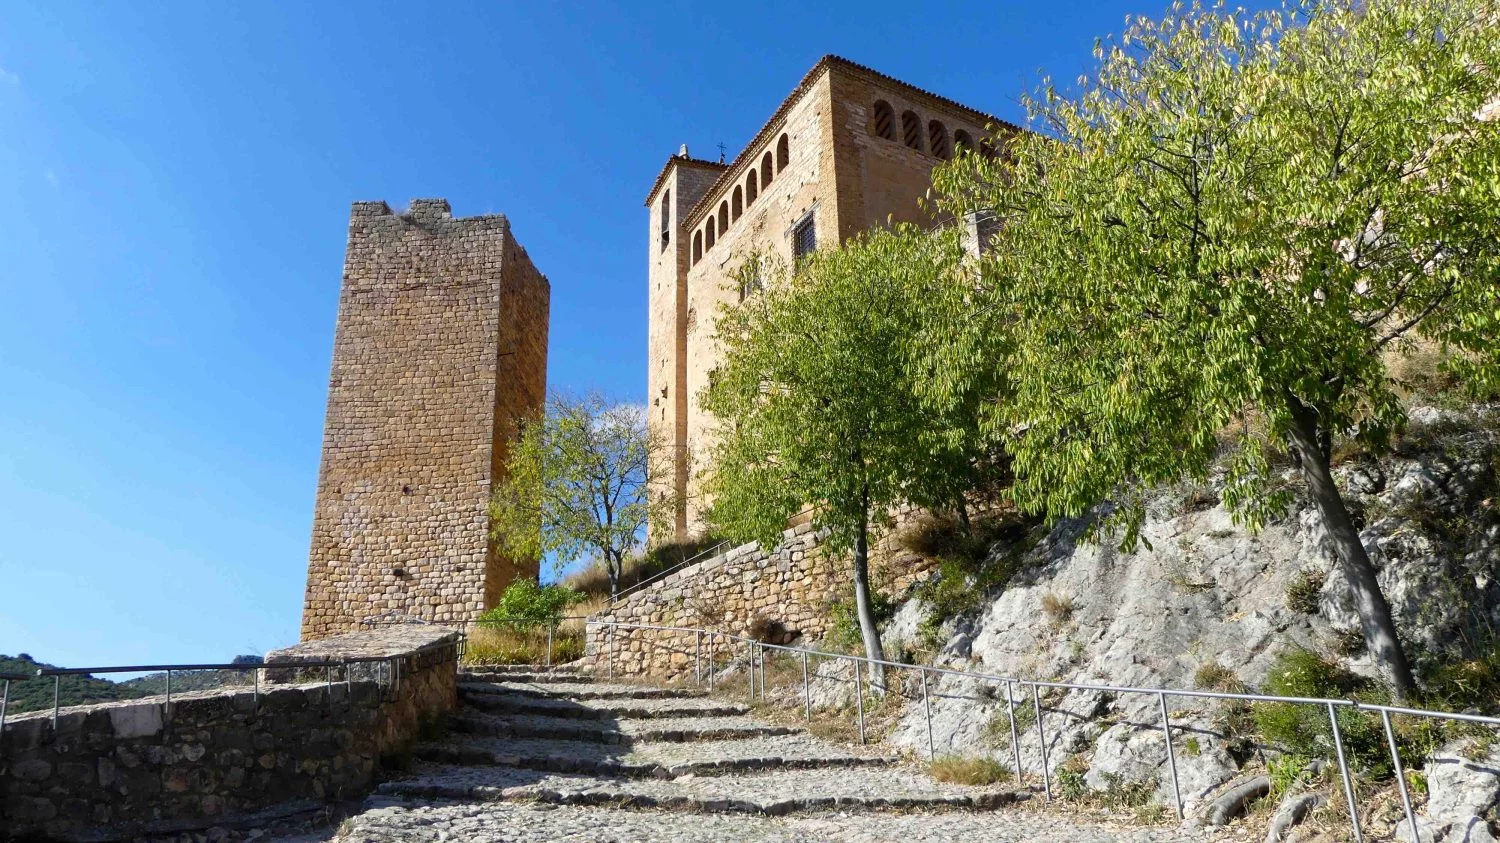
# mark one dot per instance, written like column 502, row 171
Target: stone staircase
column 553, row 754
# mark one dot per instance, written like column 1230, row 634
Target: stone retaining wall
column 791, row 589
column 117, row 770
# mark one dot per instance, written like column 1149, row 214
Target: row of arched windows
column 742, row 197
column 934, row 140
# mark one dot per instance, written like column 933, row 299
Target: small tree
column 1221, row 237
column 576, row 485
column 817, row 401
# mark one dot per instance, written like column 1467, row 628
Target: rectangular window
column 804, row 238
column 666, row 219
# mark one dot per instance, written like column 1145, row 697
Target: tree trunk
column 963, row 517
column 1369, row 601
column 862, row 605
column 613, row 566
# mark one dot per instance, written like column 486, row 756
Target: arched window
column 666, row 218
column 766, row 171
column 783, row 155
column 736, row 205
column 723, row 217
column 987, row 149
column 708, row 235
column 937, row 140
column 962, row 140
column 697, row 246
column 751, row 190
column 911, row 130
column 885, row 120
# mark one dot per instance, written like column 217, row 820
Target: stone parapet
column 147, row 766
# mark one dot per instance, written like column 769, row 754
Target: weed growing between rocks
column 1302, row 594
column 971, row 771
column 997, row 730
column 972, row 565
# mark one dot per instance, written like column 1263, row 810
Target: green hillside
column 34, row 694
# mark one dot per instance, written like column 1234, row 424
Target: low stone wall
column 117, row 770
column 791, row 590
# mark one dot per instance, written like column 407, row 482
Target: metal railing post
column 169, row 693
column 698, row 657
column 328, row 685
column 550, row 626
column 762, row 649
column 1390, row 739
column 1166, row 730
column 859, row 700
column 750, row 667
column 927, row 709
column 711, row 638
column 1015, row 738
column 56, row 699
column 256, row 710
column 612, row 654
column 1041, row 734
column 806, row 691
column 1338, row 745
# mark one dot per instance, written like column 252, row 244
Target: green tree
column 576, row 485
column 1219, row 239
column 817, row 402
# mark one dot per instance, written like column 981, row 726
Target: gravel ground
column 648, row 759
column 526, row 704
column 578, row 691
column 778, row 792
column 522, row 823
column 676, row 729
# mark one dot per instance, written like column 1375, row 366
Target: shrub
column 1302, row 594
column 1304, row 729
column 526, row 602
column 1469, row 682
column 1070, row 778
column 843, row 632
column 972, row 771
column 970, row 566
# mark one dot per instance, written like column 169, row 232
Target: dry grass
column 973, row 771
column 1058, row 607
column 504, row 645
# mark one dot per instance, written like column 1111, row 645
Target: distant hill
column 35, row 694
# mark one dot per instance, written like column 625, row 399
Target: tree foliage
column 576, row 484
column 1219, row 239
column 818, row 403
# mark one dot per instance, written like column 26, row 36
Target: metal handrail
column 659, row 575
column 392, row 675
column 679, row 566
column 754, row 648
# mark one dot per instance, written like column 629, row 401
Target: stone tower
column 441, row 346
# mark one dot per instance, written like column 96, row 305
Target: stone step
column 578, row 691
column 500, row 674
column 507, row 703
column 648, row 760
column 623, row 732
column 775, row 793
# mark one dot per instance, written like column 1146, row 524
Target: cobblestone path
column 539, row 755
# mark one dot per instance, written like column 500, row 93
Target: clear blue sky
column 175, row 181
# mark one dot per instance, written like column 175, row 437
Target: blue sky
column 175, row 181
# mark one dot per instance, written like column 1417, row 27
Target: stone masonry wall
column 792, row 587
column 117, row 770
column 441, row 346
